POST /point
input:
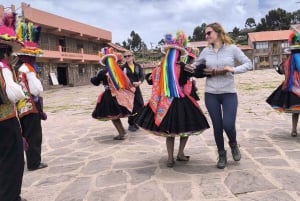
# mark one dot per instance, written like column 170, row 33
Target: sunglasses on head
column 126, row 56
column 208, row 33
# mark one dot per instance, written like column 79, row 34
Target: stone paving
column 85, row 164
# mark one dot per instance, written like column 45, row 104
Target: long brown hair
column 221, row 33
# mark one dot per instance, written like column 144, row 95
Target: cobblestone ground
column 86, row 164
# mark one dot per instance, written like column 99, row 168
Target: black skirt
column 182, row 119
column 284, row 101
column 108, row 108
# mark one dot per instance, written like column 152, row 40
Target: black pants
column 32, row 131
column 137, row 106
column 222, row 109
column 11, row 160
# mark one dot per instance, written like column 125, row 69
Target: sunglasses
column 208, row 33
column 126, row 56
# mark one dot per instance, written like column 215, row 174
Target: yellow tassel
column 30, row 31
column 19, row 31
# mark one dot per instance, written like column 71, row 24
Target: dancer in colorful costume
column 117, row 100
column 171, row 111
column 286, row 98
column 29, row 109
column 11, row 144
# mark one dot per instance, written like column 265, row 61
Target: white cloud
column 152, row 19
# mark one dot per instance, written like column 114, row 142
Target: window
column 264, row 61
column 284, row 44
column 264, row 58
column 81, row 70
column 79, row 46
column 262, row 45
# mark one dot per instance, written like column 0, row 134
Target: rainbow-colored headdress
column 179, row 43
column 109, row 59
column 29, row 35
column 294, row 41
column 7, row 32
column 174, row 48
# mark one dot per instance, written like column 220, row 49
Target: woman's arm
column 246, row 63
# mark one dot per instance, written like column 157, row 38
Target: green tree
column 199, row 33
column 295, row 17
column 262, row 26
column 235, row 32
column 277, row 19
column 134, row 43
column 250, row 22
column 161, row 42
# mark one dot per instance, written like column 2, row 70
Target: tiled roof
column 117, row 47
column 269, row 35
column 244, row 47
column 197, row 44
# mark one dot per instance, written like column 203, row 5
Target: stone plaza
column 86, row 164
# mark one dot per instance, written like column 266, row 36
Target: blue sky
column 152, row 19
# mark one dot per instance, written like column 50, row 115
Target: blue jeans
column 222, row 109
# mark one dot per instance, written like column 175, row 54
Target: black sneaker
column 236, row 154
column 132, row 128
column 41, row 166
column 222, row 160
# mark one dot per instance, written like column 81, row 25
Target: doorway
column 62, row 75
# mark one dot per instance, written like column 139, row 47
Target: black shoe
column 236, row 154
column 136, row 127
column 222, row 161
column 132, row 128
column 41, row 166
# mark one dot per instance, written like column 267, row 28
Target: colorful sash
column 124, row 96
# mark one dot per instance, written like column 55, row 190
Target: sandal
column 294, row 134
column 185, row 158
column 119, row 137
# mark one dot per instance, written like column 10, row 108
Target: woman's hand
column 229, row 69
column 214, row 71
column 136, row 84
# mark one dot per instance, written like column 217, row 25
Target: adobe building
column 70, row 48
column 268, row 47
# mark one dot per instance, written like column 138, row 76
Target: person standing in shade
column 171, row 111
column 117, row 100
column 29, row 109
column 11, row 144
column 286, row 98
column 135, row 73
column 220, row 92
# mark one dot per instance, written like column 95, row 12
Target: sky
column 152, row 19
